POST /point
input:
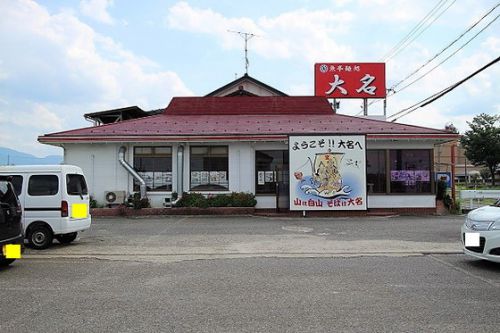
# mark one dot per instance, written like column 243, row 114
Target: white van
column 54, row 199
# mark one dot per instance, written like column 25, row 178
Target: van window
column 43, row 185
column 76, row 185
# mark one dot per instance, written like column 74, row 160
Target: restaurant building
column 249, row 137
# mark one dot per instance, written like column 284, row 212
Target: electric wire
column 413, row 30
column 391, row 89
column 446, row 47
column 448, row 57
column 421, row 32
column 439, row 94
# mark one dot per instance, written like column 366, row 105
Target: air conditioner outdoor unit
column 114, row 197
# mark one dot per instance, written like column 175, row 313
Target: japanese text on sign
column 329, row 143
column 350, row 80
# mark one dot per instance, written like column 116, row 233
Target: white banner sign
column 327, row 172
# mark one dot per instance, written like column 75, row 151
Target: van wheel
column 6, row 262
column 40, row 237
column 66, row 238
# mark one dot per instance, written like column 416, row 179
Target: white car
column 481, row 233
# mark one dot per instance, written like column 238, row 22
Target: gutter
column 180, row 171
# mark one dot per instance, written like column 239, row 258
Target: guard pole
column 453, row 162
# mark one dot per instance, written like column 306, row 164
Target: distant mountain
column 14, row 157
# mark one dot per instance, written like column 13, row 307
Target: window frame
column 430, row 169
column 33, row 177
column 209, row 184
column 285, row 171
column 153, row 154
column 84, row 188
column 385, row 153
column 388, row 183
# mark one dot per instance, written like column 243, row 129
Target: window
column 375, row 171
column 154, row 165
column 76, row 185
column 209, row 168
column 16, row 181
column 410, row 171
column 43, row 185
column 269, row 166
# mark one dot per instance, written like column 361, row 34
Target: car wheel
column 6, row 262
column 40, row 237
column 66, row 238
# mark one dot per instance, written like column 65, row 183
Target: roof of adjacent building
column 236, row 88
column 242, row 118
column 120, row 114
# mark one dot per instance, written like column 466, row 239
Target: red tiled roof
column 233, row 118
column 248, row 105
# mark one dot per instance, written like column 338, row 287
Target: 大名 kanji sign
column 349, row 80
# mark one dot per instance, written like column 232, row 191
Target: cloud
column 401, row 11
column 97, row 10
column 55, row 68
column 308, row 35
column 20, row 125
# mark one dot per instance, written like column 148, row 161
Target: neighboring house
column 235, row 139
column 465, row 171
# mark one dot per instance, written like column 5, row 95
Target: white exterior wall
column 100, row 165
column 407, row 201
column 104, row 172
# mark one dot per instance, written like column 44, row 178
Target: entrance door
column 272, row 167
column 282, row 187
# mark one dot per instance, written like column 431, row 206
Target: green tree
column 482, row 142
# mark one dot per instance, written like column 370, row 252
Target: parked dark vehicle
column 11, row 230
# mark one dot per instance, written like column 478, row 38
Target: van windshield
column 76, row 185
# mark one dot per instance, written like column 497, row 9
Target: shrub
column 192, row 200
column 138, row 203
column 234, row 199
column 219, row 200
column 242, row 199
column 93, row 202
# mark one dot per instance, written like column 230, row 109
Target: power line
column 403, row 43
column 446, row 47
column 411, row 31
column 439, row 94
column 391, row 89
column 448, row 57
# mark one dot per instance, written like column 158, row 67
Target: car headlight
column 479, row 225
column 468, row 222
column 495, row 225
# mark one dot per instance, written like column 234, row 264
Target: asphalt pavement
column 254, row 274
column 201, row 237
column 431, row 293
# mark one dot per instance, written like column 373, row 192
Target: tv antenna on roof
column 246, row 36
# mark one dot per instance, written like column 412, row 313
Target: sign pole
column 365, row 106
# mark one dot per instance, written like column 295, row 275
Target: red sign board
column 349, row 80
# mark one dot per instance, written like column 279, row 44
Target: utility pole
column 246, row 36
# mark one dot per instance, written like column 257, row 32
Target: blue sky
column 61, row 59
